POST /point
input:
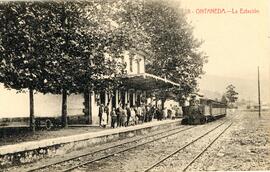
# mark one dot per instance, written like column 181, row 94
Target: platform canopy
column 145, row 81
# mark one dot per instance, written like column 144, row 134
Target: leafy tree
column 73, row 47
column 18, row 46
column 231, row 94
column 224, row 99
column 163, row 31
column 55, row 47
column 81, row 42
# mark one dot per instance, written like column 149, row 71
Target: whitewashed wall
column 13, row 104
column 94, row 109
column 136, row 58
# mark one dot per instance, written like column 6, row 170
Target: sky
column 235, row 43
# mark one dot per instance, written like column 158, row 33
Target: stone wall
column 32, row 151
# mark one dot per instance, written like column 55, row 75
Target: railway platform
column 79, row 137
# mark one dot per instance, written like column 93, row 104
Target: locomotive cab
column 202, row 111
column 194, row 114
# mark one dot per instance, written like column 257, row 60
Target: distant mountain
column 211, row 94
column 214, row 86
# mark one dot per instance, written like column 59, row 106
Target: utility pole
column 259, row 92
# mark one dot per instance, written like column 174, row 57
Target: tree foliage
column 18, row 46
column 162, row 30
column 224, row 99
column 52, row 46
column 231, row 94
column 74, row 46
column 58, row 47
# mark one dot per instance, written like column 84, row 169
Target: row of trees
column 55, row 47
column 74, row 47
column 162, row 30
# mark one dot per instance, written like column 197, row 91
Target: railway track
column 76, row 162
column 156, row 164
column 107, row 151
column 126, row 149
column 206, row 148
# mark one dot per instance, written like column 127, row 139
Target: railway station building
column 137, row 91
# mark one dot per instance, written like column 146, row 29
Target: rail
column 106, row 148
column 181, row 148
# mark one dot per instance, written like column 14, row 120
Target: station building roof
column 146, row 81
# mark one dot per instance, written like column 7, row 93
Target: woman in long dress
column 104, row 120
column 132, row 117
column 124, row 122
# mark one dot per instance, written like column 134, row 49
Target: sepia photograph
column 134, row 85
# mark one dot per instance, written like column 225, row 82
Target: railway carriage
column 205, row 110
column 213, row 109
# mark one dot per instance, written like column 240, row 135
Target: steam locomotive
column 203, row 110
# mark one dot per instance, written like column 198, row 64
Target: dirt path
column 245, row 147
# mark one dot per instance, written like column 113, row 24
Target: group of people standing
column 124, row 115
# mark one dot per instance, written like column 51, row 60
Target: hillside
column 215, row 86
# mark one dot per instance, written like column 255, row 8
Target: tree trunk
column 32, row 116
column 162, row 103
column 90, row 109
column 64, row 109
column 87, row 107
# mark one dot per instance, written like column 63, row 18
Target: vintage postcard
column 135, row 85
